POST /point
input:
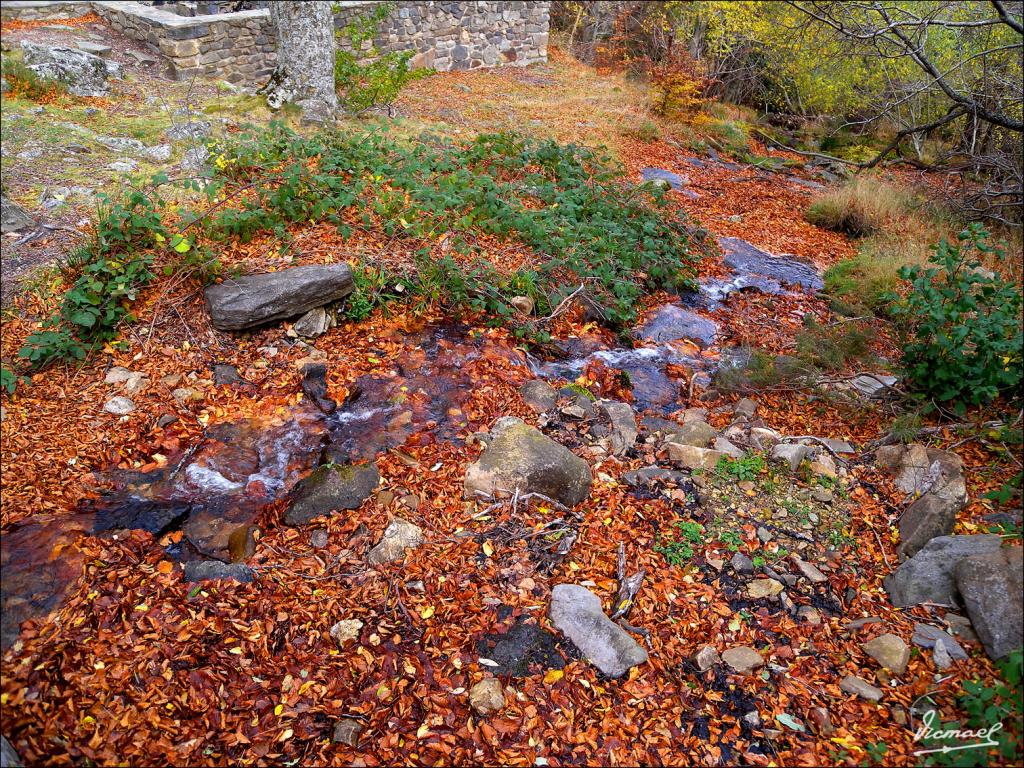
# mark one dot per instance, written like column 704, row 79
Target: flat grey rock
column 747, row 259
column 13, row 217
column 83, row 73
column 666, row 178
column 927, row 636
column 254, row 300
column 576, row 612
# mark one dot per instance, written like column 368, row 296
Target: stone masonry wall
column 241, row 47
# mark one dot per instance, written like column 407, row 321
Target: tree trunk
column 304, row 74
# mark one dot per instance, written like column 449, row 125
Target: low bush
column 568, row 204
column 834, row 347
column 962, row 325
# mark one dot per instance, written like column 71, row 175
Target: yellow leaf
column 236, row 650
column 286, row 735
column 279, row 709
column 488, row 549
column 383, row 692
column 423, row 730
column 553, row 676
column 735, row 625
column 427, row 612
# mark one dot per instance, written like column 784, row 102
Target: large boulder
column 519, row 456
column 576, row 612
column 247, row 302
column 83, row 73
column 929, row 575
column 330, row 488
column 12, row 217
column 991, row 589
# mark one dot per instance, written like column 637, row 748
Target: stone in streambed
column 519, row 457
column 331, row 488
column 577, row 613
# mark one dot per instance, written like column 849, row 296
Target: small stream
column 219, row 487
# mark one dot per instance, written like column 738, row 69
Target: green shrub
column 964, row 325
column 366, row 78
column 568, row 204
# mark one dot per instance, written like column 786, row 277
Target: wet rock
column 83, row 73
column 991, row 589
column 927, row 636
column 862, row 688
column 247, row 302
column 521, row 457
column 346, row 731
column 576, row 612
column 487, row 697
column 695, row 433
column 929, row 575
column 742, row 659
column 928, row 517
column 227, row 375
column 345, row 630
column 691, row 457
column 790, row 454
column 13, row 217
column 211, row 570
column 399, row 536
column 741, row 563
column 623, row 425
column 8, row 757
column 662, row 178
column 706, row 658
column 314, row 386
column 745, row 408
column 312, row 324
column 331, row 488
column 671, row 322
column 119, row 406
column 539, row 395
column 890, row 651
column 759, row 589
column 747, row 259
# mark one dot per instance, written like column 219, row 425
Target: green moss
column 579, row 389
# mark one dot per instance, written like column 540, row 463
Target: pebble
column 318, row 539
column 346, row 731
column 345, row 630
column 743, row 659
column 862, row 688
column 487, row 697
column 119, row 406
column 706, row 658
column 761, row 588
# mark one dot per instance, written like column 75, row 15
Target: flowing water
column 219, row 486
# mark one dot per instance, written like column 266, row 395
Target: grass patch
column 860, row 207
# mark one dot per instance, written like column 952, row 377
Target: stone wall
column 240, row 47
